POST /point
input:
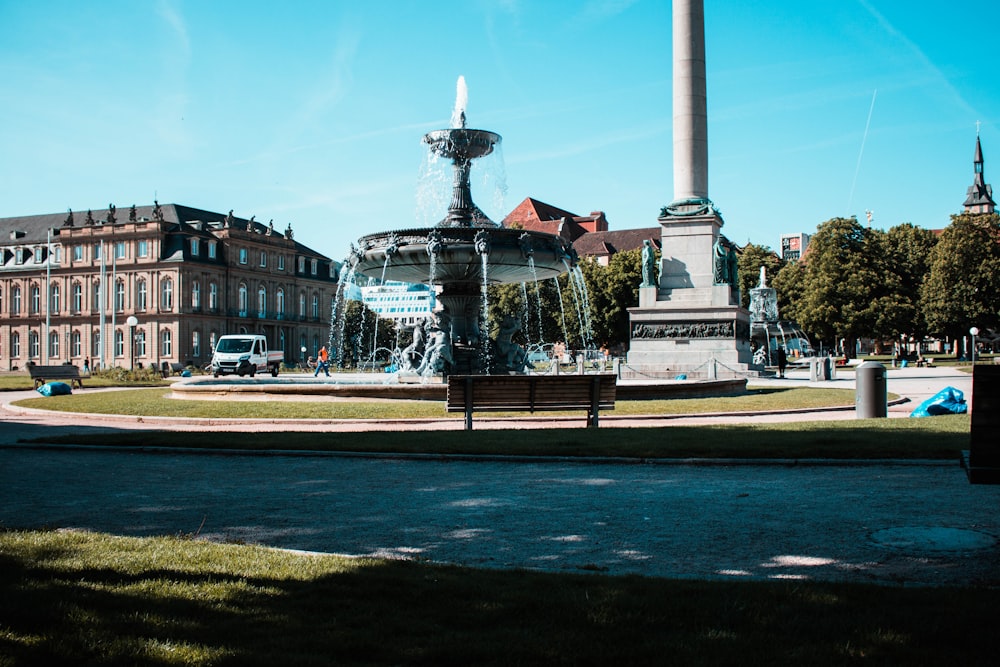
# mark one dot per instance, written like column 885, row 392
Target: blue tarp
column 948, row 401
column 55, row 389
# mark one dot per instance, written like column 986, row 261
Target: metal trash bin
column 870, row 395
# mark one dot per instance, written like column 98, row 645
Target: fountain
column 461, row 255
column 768, row 332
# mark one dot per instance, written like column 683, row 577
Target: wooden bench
column 43, row 374
column 531, row 393
column 171, row 367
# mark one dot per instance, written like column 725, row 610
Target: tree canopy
column 962, row 288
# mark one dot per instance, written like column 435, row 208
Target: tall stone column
column 690, row 105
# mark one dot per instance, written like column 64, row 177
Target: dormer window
column 194, row 247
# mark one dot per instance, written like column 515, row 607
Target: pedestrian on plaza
column 86, row 366
column 323, row 362
column 782, row 361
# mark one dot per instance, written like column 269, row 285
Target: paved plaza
column 889, row 523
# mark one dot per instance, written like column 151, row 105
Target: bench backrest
column 518, row 393
column 60, row 371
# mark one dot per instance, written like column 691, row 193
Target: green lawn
column 154, row 402
column 72, row 598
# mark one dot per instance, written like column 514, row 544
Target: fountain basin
column 458, row 257
column 357, row 387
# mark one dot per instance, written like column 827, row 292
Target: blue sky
column 311, row 113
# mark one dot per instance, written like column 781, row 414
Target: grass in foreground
column 153, row 402
column 84, row 598
column 940, row 438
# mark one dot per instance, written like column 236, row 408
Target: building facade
column 406, row 304
column 69, row 284
column 793, row 246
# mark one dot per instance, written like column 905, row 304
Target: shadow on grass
column 169, row 601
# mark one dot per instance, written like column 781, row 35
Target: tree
column 900, row 260
column 750, row 260
column 363, row 333
column 962, row 288
column 788, row 283
column 838, row 285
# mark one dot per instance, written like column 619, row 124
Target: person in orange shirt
column 323, row 364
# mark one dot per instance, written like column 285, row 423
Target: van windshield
column 230, row 345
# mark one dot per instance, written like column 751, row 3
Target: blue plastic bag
column 55, row 389
column 948, row 401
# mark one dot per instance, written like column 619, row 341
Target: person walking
column 782, row 361
column 322, row 363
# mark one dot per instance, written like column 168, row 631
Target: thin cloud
column 919, row 54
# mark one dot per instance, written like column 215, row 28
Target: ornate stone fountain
column 462, row 254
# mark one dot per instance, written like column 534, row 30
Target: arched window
column 195, row 344
column 140, row 343
column 280, row 303
column 76, row 344
column 15, row 300
column 244, row 300
column 34, row 351
column 261, row 302
column 166, row 343
column 15, row 345
column 53, row 344
column 213, row 296
column 140, row 295
column 120, row 296
column 77, row 298
column 196, row 295
column 54, row 300
column 95, row 343
column 36, row 299
column 167, row 294
column 119, row 343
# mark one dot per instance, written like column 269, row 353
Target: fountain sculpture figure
column 459, row 255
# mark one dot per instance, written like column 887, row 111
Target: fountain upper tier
column 444, row 255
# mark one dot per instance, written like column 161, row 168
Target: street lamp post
column 975, row 332
column 132, row 322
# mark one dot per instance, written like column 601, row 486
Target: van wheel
column 274, row 371
column 253, row 370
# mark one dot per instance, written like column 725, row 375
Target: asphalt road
column 884, row 523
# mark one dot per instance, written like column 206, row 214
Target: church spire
column 979, row 197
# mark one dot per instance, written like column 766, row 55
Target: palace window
column 167, row 294
column 140, row 295
column 244, row 300
column 166, row 343
column 54, row 300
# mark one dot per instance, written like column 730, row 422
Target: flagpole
column 48, row 294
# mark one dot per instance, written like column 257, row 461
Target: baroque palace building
column 70, row 282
